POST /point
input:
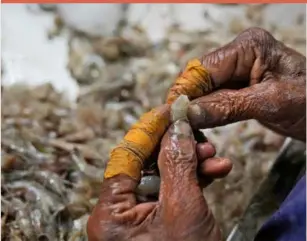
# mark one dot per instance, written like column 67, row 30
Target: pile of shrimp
column 52, row 165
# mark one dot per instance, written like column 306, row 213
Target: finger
column 182, row 206
column 116, row 198
column 101, row 214
column 179, row 191
column 193, row 81
column 213, row 168
column 123, row 170
column 240, row 61
column 210, row 166
column 150, row 166
column 265, row 102
column 243, row 61
column 138, row 144
column 205, row 151
column 216, row 167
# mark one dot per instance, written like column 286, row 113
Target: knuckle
column 219, row 108
column 232, row 107
column 255, row 33
column 261, row 43
column 234, row 104
column 256, row 37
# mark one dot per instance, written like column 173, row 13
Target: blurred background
column 78, row 75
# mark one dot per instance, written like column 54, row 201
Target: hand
column 181, row 213
column 254, row 77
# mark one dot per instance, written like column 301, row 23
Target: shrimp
column 45, row 199
column 43, row 225
column 24, row 222
column 78, row 232
column 88, row 170
column 49, row 179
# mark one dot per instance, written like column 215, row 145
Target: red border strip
column 155, row 1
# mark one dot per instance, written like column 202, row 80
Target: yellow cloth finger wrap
column 194, row 82
column 138, row 144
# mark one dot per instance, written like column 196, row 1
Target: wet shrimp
column 89, row 170
column 24, row 222
column 43, row 225
column 15, row 234
column 78, row 232
column 51, row 180
column 48, row 201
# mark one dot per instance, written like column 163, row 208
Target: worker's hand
column 180, row 214
column 254, row 77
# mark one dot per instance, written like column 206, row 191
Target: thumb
column 180, row 194
column 265, row 102
column 178, row 152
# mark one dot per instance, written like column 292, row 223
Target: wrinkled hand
column 254, row 77
column 181, row 213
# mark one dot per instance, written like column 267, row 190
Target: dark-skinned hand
column 181, row 212
column 254, row 77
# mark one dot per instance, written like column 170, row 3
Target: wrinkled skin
column 254, row 77
column 119, row 217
